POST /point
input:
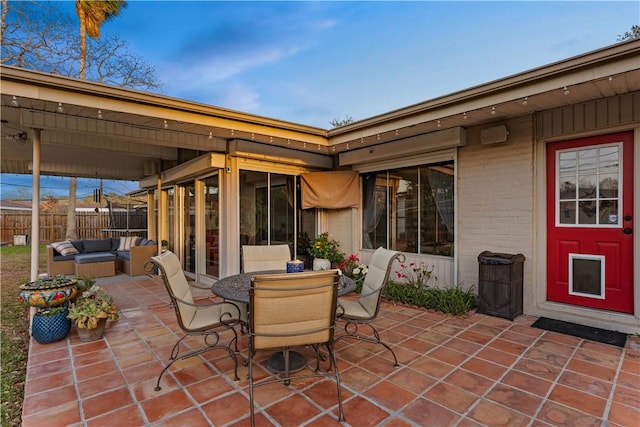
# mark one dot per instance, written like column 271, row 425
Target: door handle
column 628, row 217
column 627, row 230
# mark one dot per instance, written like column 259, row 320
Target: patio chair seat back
column 265, row 257
column 365, row 310
column 292, row 309
column 177, row 286
column 376, row 279
column 203, row 319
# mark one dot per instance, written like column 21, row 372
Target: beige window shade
column 330, row 190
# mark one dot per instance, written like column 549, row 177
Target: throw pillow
column 127, row 242
column 65, row 248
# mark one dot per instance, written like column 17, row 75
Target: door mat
column 585, row 332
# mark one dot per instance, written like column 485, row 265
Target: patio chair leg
column 287, row 381
column 334, row 362
column 353, row 334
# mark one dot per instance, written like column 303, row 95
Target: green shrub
column 454, row 300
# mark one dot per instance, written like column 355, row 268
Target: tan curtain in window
column 330, row 190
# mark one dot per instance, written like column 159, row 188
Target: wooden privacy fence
column 53, row 226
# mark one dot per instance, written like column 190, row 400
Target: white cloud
column 181, row 77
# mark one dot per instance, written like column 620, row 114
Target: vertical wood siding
column 590, row 116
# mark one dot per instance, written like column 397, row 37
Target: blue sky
column 311, row 62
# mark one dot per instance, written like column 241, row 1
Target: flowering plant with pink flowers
column 416, row 275
column 352, row 267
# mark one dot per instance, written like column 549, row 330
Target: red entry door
column 590, row 222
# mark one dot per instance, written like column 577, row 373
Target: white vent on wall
column 494, row 135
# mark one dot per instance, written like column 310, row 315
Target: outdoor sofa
column 100, row 257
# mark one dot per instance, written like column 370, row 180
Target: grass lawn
column 15, row 270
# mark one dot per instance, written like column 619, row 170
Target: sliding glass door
column 212, row 225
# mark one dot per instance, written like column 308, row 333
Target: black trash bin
column 500, row 284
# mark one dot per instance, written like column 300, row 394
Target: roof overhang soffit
column 406, row 147
column 195, row 167
column 110, row 134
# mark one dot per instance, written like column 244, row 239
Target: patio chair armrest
column 373, row 292
column 226, row 317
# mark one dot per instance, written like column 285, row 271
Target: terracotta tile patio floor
column 475, row 370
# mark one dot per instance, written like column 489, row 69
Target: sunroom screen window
column 410, row 209
column 268, row 206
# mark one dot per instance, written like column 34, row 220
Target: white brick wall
column 495, row 200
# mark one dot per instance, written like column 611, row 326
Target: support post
column 35, row 205
column 159, row 204
column 35, row 213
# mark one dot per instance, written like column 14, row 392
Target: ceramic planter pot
column 46, row 329
column 321, row 264
column 87, row 335
column 45, row 293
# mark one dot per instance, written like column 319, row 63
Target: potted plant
column 165, row 245
column 90, row 312
column 83, row 284
column 325, row 252
column 50, row 324
column 353, row 268
column 302, row 249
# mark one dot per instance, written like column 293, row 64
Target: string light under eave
column 14, row 102
column 60, row 109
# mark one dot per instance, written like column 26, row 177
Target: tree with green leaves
column 336, row 123
column 630, row 35
column 92, row 14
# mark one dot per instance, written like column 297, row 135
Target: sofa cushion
column 95, row 257
column 78, row 245
column 100, row 245
column 142, row 242
column 126, row 255
column 65, row 248
column 115, row 242
column 63, row 258
column 127, row 242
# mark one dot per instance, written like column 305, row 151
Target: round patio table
column 236, row 288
